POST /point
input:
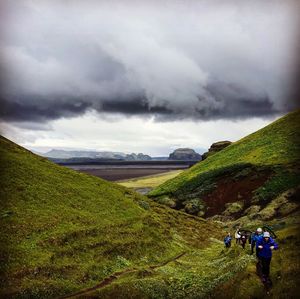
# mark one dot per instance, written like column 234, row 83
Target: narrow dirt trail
column 110, row 279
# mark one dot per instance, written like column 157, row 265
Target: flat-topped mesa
column 185, row 154
column 216, row 147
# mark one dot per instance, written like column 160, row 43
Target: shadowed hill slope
column 252, row 171
column 62, row 231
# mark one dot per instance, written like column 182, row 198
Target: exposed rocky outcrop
column 185, row 154
column 216, row 147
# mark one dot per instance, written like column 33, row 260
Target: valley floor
column 145, row 184
column 210, row 272
column 126, row 173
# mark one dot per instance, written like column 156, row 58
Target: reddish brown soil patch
column 231, row 189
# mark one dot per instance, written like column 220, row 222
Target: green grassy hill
column 253, row 171
column 62, row 231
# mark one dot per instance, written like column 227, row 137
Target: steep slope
column 62, row 231
column 252, row 171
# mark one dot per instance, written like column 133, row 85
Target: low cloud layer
column 134, row 134
column 168, row 59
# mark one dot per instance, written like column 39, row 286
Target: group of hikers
column 263, row 244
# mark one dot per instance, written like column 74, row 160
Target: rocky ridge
column 216, row 147
column 185, row 154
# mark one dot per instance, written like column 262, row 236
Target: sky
column 144, row 76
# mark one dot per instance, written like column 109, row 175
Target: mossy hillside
column 62, row 230
column 275, row 144
column 46, row 258
column 273, row 149
column 287, row 203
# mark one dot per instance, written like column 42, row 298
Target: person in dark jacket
column 243, row 239
column 227, row 240
column 265, row 245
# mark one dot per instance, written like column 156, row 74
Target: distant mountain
column 88, row 155
column 185, row 154
column 137, row 157
column 62, row 154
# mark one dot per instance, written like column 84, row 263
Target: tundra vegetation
column 63, row 232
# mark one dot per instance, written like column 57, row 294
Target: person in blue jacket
column 227, row 240
column 264, row 246
column 254, row 238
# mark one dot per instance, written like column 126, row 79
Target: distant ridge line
column 152, row 162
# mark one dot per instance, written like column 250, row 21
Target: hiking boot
column 269, row 281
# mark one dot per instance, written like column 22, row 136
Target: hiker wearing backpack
column 227, row 240
column 254, row 238
column 264, row 246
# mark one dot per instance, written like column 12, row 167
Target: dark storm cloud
column 14, row 111
column 133, row 107
column 220, row 60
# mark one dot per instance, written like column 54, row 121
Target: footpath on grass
column 110, row 279
column 211, row 272
column 198, row 271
